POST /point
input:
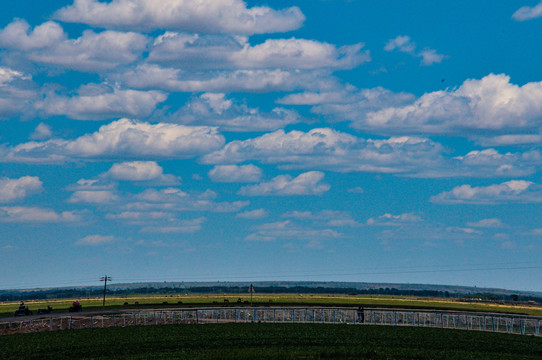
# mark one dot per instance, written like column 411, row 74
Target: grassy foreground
column 269, row 341
column 7, row 308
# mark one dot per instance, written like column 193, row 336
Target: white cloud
column 234, row 173
column 204, row 16
column 309, row 183
column 492, row 104
column 183, row 226
column 514, row 191
column 216, row 110
column 287, row 230
column 224, row 52
column 356, row 190
column 148, row 171
column 138, row 217
column 95, row 102
column 147, row 76
column 93, row 197
column 401, row 43
column 49, row 44
column 16, row 92
column 41, row 132
column 95, row 240
column 508, row 140
column 174, row 199
column 430, row 57
column 406, row 45
column 468, row 231
column 394, row 220
column 327, row 149
column 17, row 189
column 17, row 35
column 23, row 214
column 527, row 13
column 486, row 223
column 123, row 139
column 8, row 75
column 348, row 103
column 332, row 218
column 253, row 214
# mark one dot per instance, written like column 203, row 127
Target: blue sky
column 385, row 141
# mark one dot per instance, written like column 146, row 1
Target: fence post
column 91, row 322
column 197, row 317
column 114, row 322
column 274, row 315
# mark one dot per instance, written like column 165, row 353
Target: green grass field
column 6, row 308
column 269, row 341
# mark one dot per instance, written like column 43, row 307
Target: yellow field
column 275, row 300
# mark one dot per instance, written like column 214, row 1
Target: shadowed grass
column 269, row 341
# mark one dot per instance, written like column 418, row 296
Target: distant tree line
column 15, row 295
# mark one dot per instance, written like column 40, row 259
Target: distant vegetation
column 72, row 293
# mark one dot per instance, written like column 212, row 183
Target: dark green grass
column 269, row 341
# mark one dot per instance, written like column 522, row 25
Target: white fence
column 503, row 323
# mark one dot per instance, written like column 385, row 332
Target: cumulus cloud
column 430, row 57
column 96, row 102
column 182, row 226
column 17, row 92
column 17, row 189
column 41, row 132
column 401, row 43
column 206, row 16
column 348, row 102
column 150, row 76
column 309, row 183
column 332, row 218
column 49, row 44
column 123, row 139
column 174, row 199
column 394, row 220
column 514, row 191
column 148, row 171
column 508, row 140
column 94, row 240
column 8, row 75
column 234, row 173
column 23, row 214
column 215, row 109
column 406, row 45
column 93, row 197
column 328, row 149
column 253, row 214
column 356, row 190
column 486, row 223
column 527, row 13
column 287, row 230
column 490, row 104
column 223, row 52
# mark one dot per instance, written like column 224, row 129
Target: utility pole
column 105, row 279
column 251, row 289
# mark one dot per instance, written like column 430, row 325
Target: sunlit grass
column 114, row 302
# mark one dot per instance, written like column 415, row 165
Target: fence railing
column 502, row 323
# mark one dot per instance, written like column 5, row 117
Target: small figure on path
column 361, row 314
